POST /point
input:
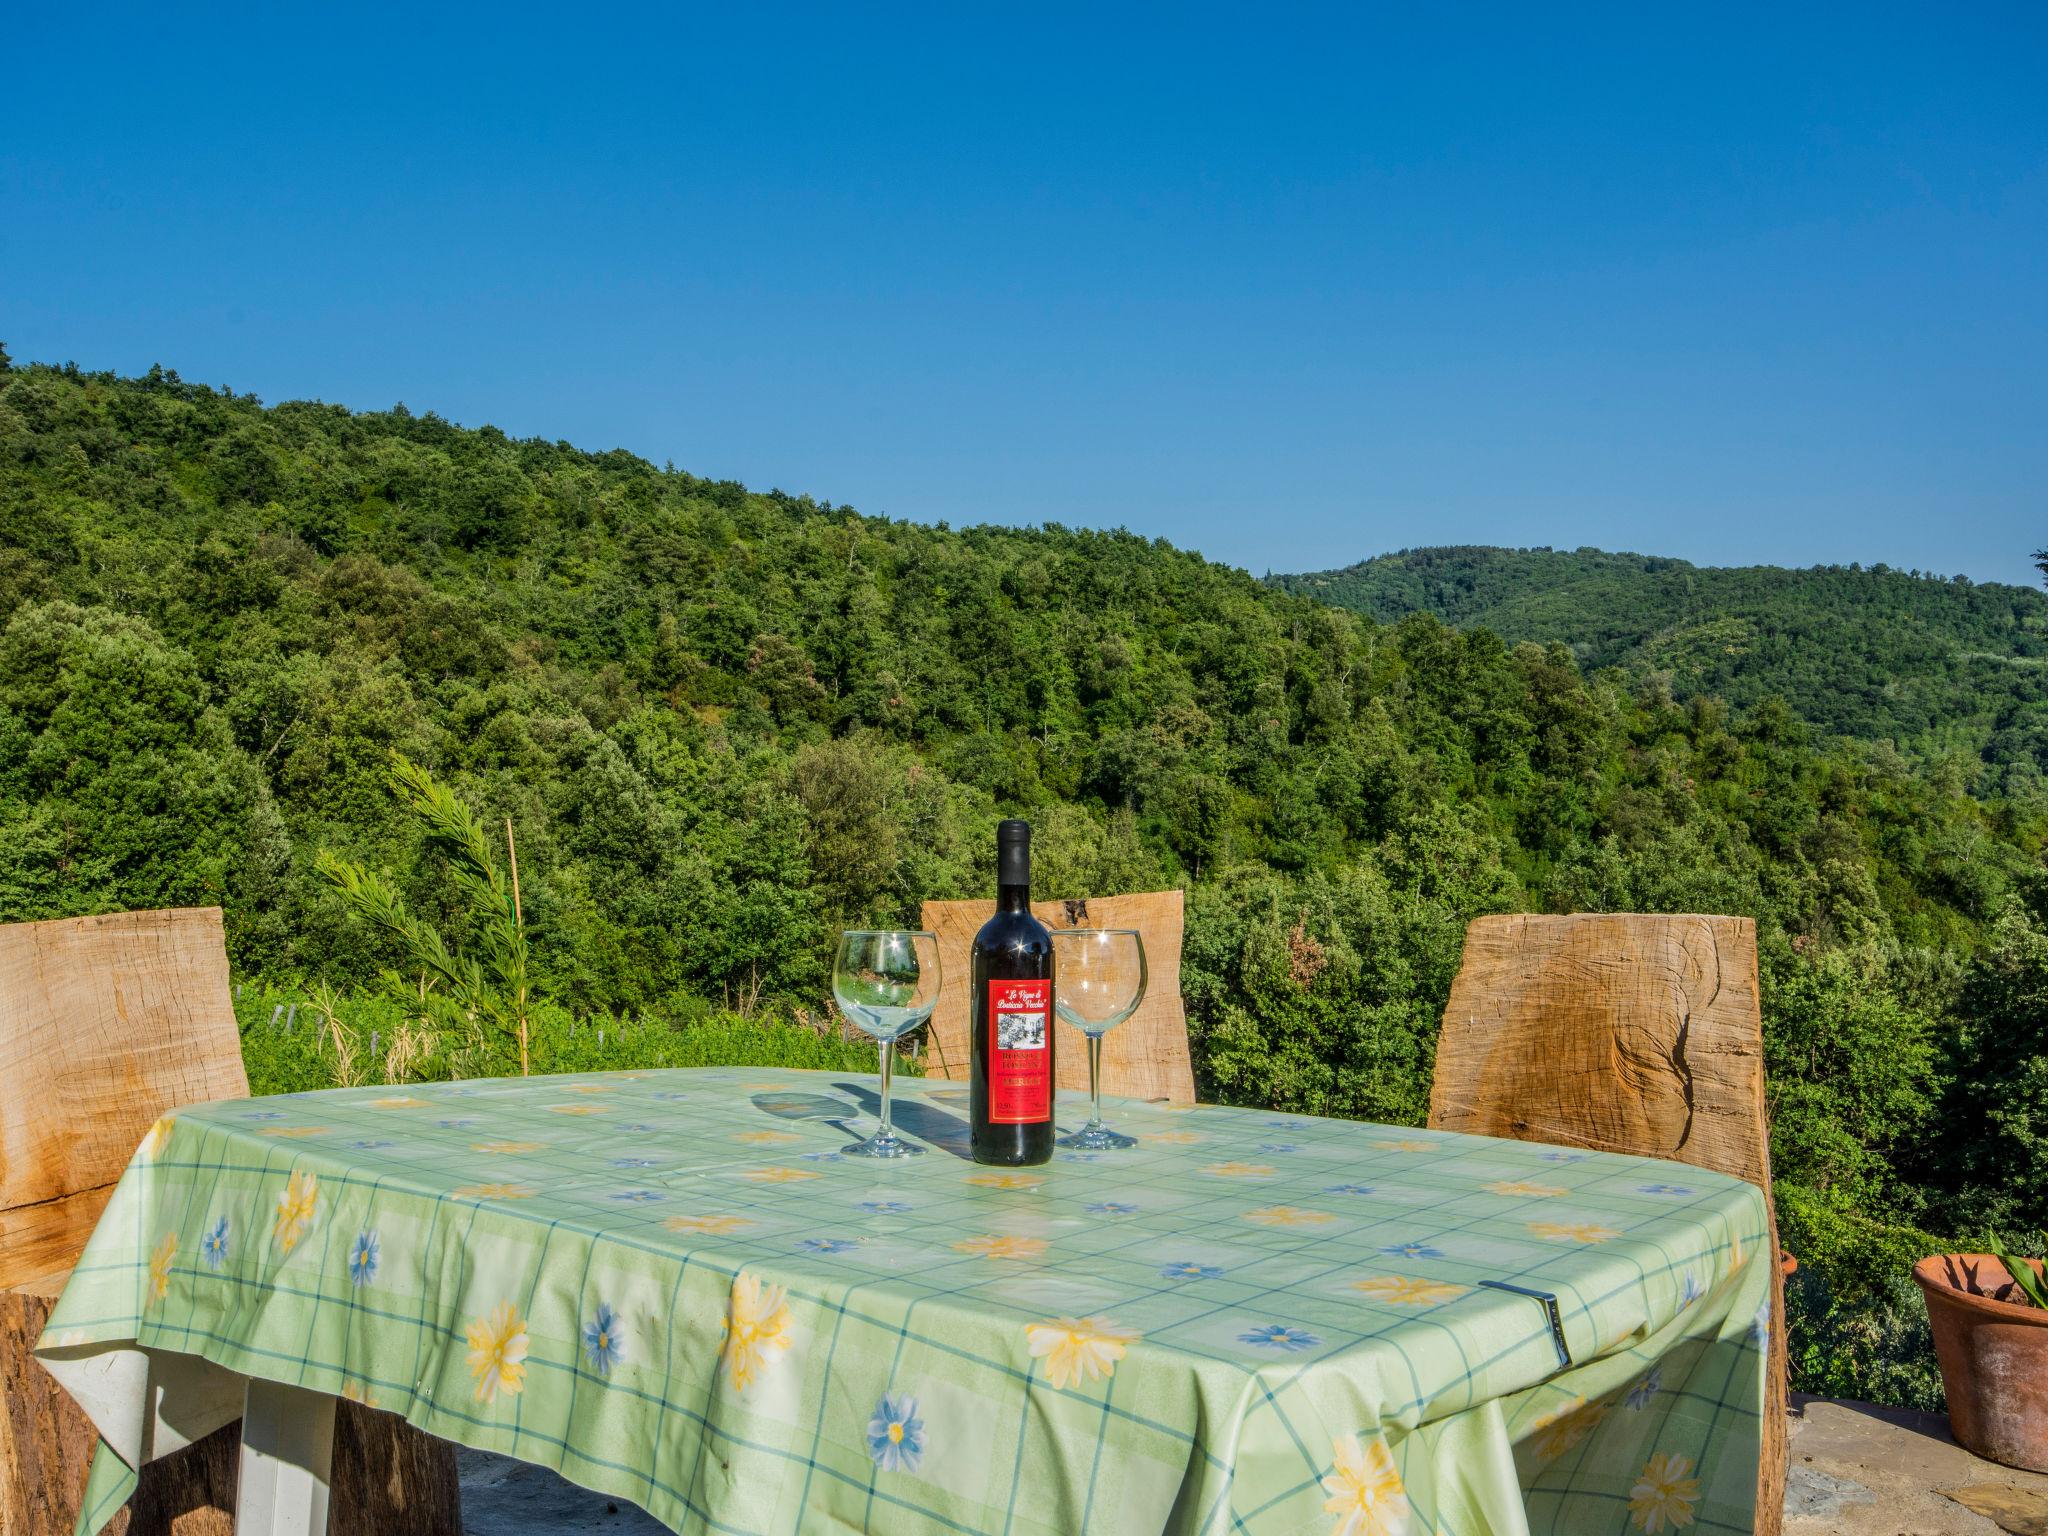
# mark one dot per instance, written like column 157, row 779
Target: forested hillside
column 1937, row 666
column 727, row 723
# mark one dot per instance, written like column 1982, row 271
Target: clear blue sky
column 1289, row 286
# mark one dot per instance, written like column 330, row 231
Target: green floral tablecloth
column 668, row 1288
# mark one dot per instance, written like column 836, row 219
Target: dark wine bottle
column 1011, row 974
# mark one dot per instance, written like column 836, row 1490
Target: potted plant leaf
column 1989, row 1312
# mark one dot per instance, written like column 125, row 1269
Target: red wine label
column 1020, row 1052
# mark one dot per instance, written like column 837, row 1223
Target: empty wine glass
column 887, row 983
column 1098, row 982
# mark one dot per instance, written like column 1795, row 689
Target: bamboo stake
column 518, row 927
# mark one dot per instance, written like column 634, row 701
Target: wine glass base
column 1096, row 1138
column 882, row 1146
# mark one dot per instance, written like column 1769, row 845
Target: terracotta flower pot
column 1994, row 1357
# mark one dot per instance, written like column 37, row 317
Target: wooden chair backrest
column 1614, row 1031
column 1145, row 1057
column 106, row 1023
column 1620, row 1032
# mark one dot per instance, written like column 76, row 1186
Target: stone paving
column 1855, row 1470
column 1858, row 1470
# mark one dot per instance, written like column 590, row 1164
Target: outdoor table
column 673, row 1288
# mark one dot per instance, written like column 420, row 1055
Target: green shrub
column 1855, row 1320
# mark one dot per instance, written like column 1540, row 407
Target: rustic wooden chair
column 1621, row 1033
column 1145, row 1057
column 107, row 1023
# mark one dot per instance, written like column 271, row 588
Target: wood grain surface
column 1621, row 1033
column 1145, row 1057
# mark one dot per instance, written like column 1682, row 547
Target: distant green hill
column 1933, row 664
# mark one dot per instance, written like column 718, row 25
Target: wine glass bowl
column 886, row 982
column 1098, row 982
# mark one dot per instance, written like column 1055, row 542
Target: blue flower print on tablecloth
column 372, row 1146
column 1564, row 1157
column 455, row 1125
column 1691, row 1291
column 263, row 1114
column 1279, row 1336
column 1760, row 1325
column 1111, row 1208
column 1348, row 1189
column 214, row 1246
column 604, row 1340
column 363, row 1254
column 886, row 1207
column 1278, row 1146
column 1663, row 1189
column 638, row 1196
column 829, row 1244
column 896, row 1433
column 1190, row 1270
column 822, row 1157
column 1412, row 1251
column 1291, row 1125
column 1640, row 1394
column 1080, row 1157
column 633, row 1162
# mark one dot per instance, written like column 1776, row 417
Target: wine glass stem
column 1095, row 1080
column 888, row 1071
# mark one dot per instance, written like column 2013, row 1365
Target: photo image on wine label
column 1020, row 1031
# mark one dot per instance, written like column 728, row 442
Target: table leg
column 287, row 1452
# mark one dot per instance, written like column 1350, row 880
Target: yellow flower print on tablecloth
column 295, row 1132
column 494, row 1192
column 1078, row 1349
column 296, row 1204
column 398, row 1101
column 579, row 1109
column 1171, row 1138
column 765, row 1138
column 1563, row 1428
column 497, row 1352
column 1402, row 1291
column 1572, row 1231
column 160, row 1267
column 1239, row 1170
column 710, row 1226
column 1001, row 1246
column 1516, row 1189
column 757, row 1328
column 1287, row 1216
column 776, row 1175
column 588, row 1088
column 1663, row 1497
column 508, row 1148
column 1364, row 1488
column 1406, row 1144
column 358, row 1392
column 157, row 1137
column 1005, row 1180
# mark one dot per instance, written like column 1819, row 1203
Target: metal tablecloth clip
column 1564, row 1354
